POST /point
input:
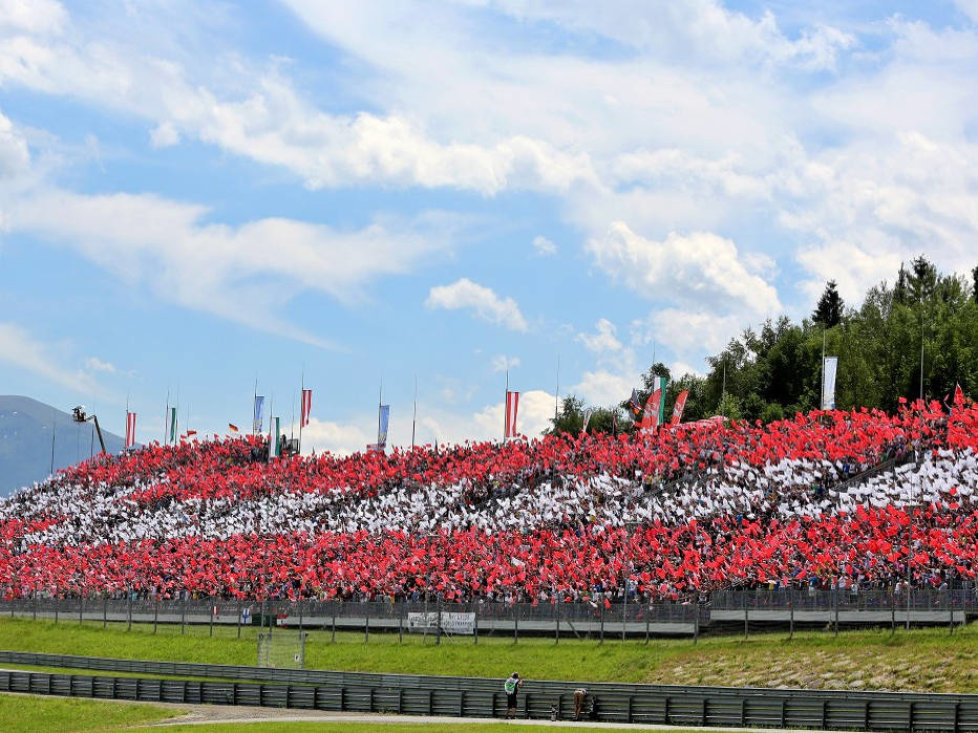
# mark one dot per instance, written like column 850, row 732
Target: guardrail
column 476, row 697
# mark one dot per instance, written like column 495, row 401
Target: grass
column 30, row 714
column 929, row 660
column 394, row 727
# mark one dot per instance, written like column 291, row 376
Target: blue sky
column 198, row 195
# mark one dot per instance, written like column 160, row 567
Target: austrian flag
column 306, row 407
column 130, row 429
column 512, row 406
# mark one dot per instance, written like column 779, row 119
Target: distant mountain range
column 26, row 427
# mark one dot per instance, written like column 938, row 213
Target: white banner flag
column 829, row 368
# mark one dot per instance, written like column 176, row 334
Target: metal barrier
column 467, row 697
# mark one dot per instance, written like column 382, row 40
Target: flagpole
column 302, row 408
column 271, row 406
column 821, row 397
column 166, row 415
column 54, row 429
column 254, row 410
column 506, row 409
column 380, row 405
column 414, row 418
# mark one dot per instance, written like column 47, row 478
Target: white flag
column 829, row 368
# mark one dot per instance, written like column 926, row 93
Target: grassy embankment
column 926, row 660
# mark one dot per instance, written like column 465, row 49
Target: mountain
column 26, row 426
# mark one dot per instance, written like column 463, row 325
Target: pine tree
column 828, row 312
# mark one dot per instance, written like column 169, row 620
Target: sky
column 407, row 197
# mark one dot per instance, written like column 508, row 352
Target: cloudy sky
column 197, row 195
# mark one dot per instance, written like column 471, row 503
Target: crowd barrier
column 484, row 698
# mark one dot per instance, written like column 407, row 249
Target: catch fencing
column 484, row 698
column 757, row 609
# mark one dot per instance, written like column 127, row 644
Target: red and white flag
column 651, row 419
column 512, row 405
column 130, row 429
column 306, row 407
column 677, row 409
column 958, row 395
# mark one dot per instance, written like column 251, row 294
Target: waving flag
column 636, row 403
column 130, row 429
column 587, row 418
column 306, row 407
column 677, row 409
column 233, row 428
column 958, row 395
column 512, row 406
column 830, row 367
column 651, row 419
column 173, row 425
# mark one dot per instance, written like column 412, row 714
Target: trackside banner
column 451, row 623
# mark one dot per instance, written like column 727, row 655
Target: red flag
column 130, row 429
column 306, row 407
column 651, row 419
column 677, row 409
column 512, row 406
column 958, row 395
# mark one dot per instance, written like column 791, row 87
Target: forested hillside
column 773, row 371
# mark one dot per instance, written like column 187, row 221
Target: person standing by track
column 511, row 687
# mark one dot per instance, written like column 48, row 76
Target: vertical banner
column 173, row 425
column 661, row 409
column 306, row 407
column 383, row 422
column 259, row 407
column 677, row 409
column 829, row 368
column 130, row 429
column 651, row 419
column 274, row 438
column 512, row 407
column 587, row 418
column 635, row 402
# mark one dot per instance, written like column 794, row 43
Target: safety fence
column 484, row 698
column 755, row 608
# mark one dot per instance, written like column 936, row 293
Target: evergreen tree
column 828, row 312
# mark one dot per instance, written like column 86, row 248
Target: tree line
column 775, row 371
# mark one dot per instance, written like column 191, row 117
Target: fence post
column 746, row 615
column 438, row 604
column 56, row 604
column 129, row 610
column 366, row 627
column 105, row 611
column 791, row 616
column 238, row 610
column 183, row 614
column 475, row 626
column 648, row 617
column 210, row 624
column 35, row 608
column 892, row 612
column 601, row 639
column 332, row 638
column 557, row 617
column 156, row 613
column 299, row 604
column 400, row 628
column 516, row 625
column 81, row 609
column 696, row 622
column 835, row 601
column 950, row 610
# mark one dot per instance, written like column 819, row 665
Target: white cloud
column 700, row 268
column 233, row 272
column 36, row 16
column 19, row 349
column 93, row 363
column 606, row 388
column 543, row 246
column 464, row 293
column 502, row 363
column 969, row 8
column 604, row 340
column 339, row 438
column 164, row 135
column 14, row 154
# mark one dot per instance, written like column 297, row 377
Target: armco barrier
column 473, row 697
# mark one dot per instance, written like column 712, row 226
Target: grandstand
column 831, row 499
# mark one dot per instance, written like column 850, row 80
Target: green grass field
column 29, row 714
column 927, row 660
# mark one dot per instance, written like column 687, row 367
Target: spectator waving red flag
column 306, row 407
column 130, row 429
column 958, row 395
column 512, row 405
column 677, row 409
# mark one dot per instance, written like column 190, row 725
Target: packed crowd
column 829, row 498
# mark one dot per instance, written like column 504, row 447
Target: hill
column 26, row 428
